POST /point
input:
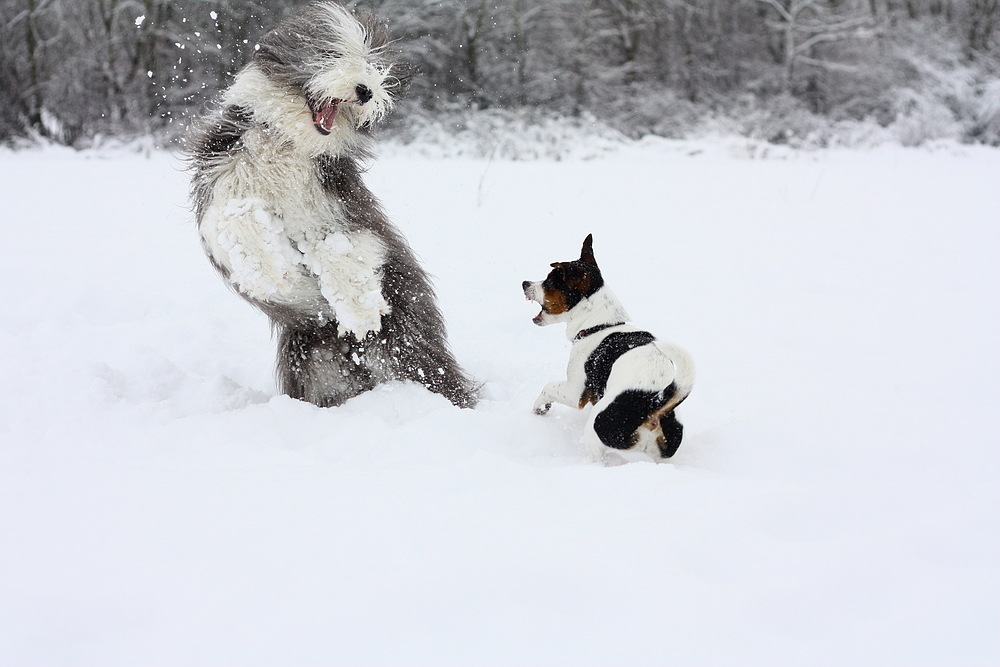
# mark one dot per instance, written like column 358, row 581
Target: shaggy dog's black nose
column 363, row 92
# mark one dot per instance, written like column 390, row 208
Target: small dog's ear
column 587, row 254
column 577, row 278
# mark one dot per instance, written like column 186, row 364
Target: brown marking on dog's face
column 554, row 301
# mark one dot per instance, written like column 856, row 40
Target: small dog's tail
column 671, row 431
column 684, row 367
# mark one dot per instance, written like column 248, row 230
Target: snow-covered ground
column 835, row 501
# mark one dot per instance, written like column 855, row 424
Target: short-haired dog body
column 634, row 380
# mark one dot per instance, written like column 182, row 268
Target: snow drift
column 834, row 502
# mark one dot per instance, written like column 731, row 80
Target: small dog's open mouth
column 526, row 286
column 324, row 114
column 537, row 319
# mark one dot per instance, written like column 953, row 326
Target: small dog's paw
column 541, row 406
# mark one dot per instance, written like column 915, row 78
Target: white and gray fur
column 285, row 216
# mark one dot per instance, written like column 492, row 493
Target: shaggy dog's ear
column 587, row 253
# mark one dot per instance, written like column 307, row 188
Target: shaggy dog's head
column 567, row 284
column 321, row 78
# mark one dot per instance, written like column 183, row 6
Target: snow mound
column 834, row 501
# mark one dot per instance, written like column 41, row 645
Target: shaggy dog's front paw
column 360, row 314
column 349, row 267
column 250, row 244
column 274, row 277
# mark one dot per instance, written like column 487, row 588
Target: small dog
column 285, row 216
column 634, row 381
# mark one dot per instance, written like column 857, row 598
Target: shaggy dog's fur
column 286, row 219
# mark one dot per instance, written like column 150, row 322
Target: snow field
column 834, row 501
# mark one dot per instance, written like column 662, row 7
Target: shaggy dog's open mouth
column 324, row 114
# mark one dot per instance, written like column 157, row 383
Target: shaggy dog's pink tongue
column 324, row 116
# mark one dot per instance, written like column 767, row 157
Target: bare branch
column 824, row 37
column 781, row 10
column 827, row 65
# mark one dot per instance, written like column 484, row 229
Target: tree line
column 71, row 70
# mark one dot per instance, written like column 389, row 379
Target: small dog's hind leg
column 673, row 433
column 592, row 441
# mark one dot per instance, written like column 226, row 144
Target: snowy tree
column 983, row 17
column 73, row 69
column 31, row 30
column 805, row 24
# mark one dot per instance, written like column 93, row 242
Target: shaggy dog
column 286, row 219
column 634, row 380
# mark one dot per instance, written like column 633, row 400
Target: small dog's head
column 567, row 285
column 325, row 71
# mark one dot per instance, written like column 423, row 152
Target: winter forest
column 798, row 72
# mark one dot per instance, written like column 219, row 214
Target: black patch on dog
column 617, row 423
column 599, row 363
column 673, row 431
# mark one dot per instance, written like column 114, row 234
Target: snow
column 835, row 501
